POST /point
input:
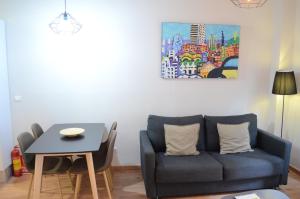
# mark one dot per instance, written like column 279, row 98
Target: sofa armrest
column 148, row 164
column 276, row 146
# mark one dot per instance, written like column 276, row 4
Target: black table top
column 52, row 141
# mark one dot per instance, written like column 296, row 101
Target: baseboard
column 295, row 170
column 5, row 174
column 126, row 168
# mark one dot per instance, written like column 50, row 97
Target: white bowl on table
column 71, row 132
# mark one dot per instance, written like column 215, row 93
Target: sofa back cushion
column 212, row 136
column 156, row 134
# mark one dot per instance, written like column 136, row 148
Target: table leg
column 90, row 164
column 38, row 172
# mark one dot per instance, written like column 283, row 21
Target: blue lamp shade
column 284, row 83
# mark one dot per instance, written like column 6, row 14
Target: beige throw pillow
column 234, row 138
column 182, row 140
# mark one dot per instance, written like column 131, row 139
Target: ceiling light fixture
column 249, row 3
column 65, row 23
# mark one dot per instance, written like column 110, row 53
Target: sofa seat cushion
column 181, row 169
column 249, row 165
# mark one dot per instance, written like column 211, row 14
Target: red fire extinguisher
column 24, row 169
column 16, row 160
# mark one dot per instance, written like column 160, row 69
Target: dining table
column 53, row 143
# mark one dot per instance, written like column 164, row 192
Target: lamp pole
column 282, row 113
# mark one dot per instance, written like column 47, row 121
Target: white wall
column 286, row 52
column 110, row 70
column 293, row 103
column 283, row 45
column 6, row 138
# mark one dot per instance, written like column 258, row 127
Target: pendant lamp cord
column 65, row 6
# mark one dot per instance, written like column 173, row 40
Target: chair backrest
column 106, row 135
column 36, row 130
column 113, row 126
column 110, row 150
column 25, row 140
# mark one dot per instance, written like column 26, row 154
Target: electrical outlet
column 18, row 98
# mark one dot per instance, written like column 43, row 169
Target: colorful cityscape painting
column 199, row 50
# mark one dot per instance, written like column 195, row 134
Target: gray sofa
column 210, row 172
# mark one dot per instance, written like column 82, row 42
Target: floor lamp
column 284, row 84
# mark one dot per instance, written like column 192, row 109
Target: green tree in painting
column 234, row 40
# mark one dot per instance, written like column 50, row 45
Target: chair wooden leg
column 110, row 170
column 107, row 185
column 78, row 184
column 109, row 179
column 60, row 191
column 42, row 179
column 110, row 175
column 30, row 187
column 70, row 178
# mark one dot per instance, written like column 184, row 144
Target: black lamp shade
column 284, row 83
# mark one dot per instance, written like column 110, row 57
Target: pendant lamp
column 65, row 23
column 249, row 3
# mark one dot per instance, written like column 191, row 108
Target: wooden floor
column 127, row 185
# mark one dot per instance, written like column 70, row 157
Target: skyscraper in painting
column 197, row 33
